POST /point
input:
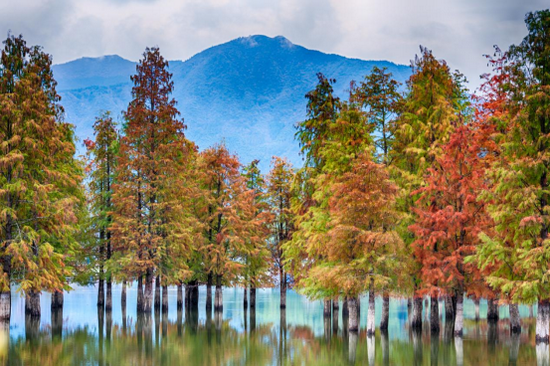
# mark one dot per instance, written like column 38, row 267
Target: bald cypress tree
column 39, row 178
column 150, row 217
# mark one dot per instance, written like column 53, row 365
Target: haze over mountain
column 248, row 92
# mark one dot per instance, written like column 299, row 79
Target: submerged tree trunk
column 515, row 321
column 282, row 284
column 57, row 300
column 492, row 310
column 416, row 321
column 140, row 298
column 459, row 314
column 157, row 293
column 434, row 314
column 109, row 296
column 5, row 305
column 450, row 308
column 165, row 298
column 245, row 297
column 179, row 301
column 123, row 296
column 370, row 314
column 209, row 292
column 101, row 290
column 345, row 308
column 218, row 300
column 543, row 315
column 353, row 317
column 385, row 312
column 326, row 308
column 148, row 293
column 252, row 297
column 32, row 303
column 476, row 304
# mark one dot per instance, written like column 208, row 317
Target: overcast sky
column 459, row 31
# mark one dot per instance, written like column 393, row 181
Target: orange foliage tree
column 151, row 220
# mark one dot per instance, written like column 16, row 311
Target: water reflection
column 263, row 336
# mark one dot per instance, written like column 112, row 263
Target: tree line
column 417, row 190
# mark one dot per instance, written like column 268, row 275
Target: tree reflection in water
column 263, row 336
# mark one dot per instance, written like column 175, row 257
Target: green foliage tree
column 102, row 165
column 279, row 197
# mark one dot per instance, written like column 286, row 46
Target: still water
column 298, row 336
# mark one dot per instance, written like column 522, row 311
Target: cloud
column 458, row 31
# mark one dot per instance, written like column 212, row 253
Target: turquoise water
column 299, row 336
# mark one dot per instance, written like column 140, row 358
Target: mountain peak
column 257, row 39
column 248, row 91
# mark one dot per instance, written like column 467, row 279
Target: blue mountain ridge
column 249, row 92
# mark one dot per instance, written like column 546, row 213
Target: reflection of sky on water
column 80, row 310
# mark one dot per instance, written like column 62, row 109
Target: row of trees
column 423, row 192
column 431, row 192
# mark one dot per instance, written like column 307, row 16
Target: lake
column 298, row 336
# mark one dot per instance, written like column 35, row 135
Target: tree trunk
column 32, row 304
column 543, row 314
column 434, row 313
column 282, row 285
column 195, row 296
column 476, row 304
column 326, row 308
column 157, row 293
column 334, row 320
column 218, row 300
column 327, row 328
column 165, row 298
column 449, row 309
column 5, row 305
column 370, row 315
column 335, row 305
column 416, row 322
column 148, row 293
column 57, row 300
column 385, row 312
column 140, row 297
column 101, row 292
column 353, row 315
column 245, row 297
column 492, row 310
column 345, row 308
column 253, row 297
column 209, row 293
column 123, row 296
column 515, row 321
column 459, row 314
column 109, row 296
column 179, row 301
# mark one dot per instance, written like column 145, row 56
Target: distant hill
column 248, row 92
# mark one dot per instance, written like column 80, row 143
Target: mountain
column 248, row 92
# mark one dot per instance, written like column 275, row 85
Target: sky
column 459, row 31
